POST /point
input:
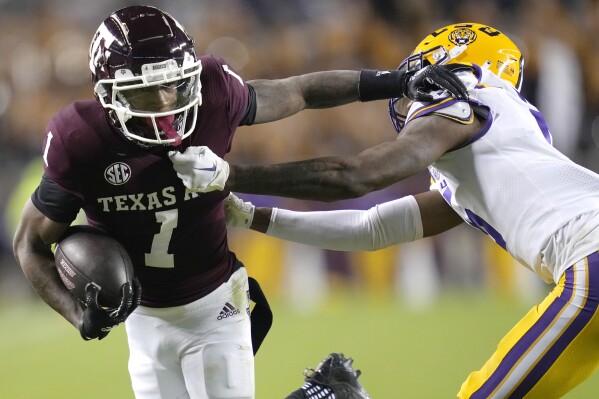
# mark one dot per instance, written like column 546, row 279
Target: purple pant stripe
column 527, row 340
column 582, row 319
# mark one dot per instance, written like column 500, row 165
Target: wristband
column 380, row 85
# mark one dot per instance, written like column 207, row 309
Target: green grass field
column 402, row 354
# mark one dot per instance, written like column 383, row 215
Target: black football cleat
column 336, row 372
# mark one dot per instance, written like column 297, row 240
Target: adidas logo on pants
column 227, row 311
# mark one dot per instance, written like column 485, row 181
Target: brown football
column 87, row 255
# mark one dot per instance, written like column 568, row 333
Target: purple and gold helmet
column 474, row 43
column 464, row 43
column 136, row 52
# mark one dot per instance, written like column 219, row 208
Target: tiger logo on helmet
column 462, row 36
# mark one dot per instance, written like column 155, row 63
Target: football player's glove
column 238, row 213
column 200, row 169
column 96, row 321
column 418, row 86
column 411, row 83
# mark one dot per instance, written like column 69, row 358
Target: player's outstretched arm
column 402, row 220
column 32, row 249
column 419, row 145
column 280, row 98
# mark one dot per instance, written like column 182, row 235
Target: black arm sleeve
column 250, row 111
column 54, row 202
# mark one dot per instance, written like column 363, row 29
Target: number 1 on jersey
column 45, row 156
column 159, row 256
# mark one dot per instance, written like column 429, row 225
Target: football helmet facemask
column 461, row 43
column 146, row 75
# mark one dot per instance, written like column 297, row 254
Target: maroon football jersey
column 176, row 239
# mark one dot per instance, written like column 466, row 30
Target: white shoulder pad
column 449, row 107
column 461, row 111
column 445, row 105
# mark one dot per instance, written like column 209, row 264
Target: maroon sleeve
column 56, row 162
column 232, row 87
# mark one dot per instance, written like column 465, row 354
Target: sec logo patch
column 118, row 173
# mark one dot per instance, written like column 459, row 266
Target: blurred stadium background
column 417, row 318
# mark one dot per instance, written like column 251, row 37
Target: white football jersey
column 510, row 182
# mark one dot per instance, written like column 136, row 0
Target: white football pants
column 202, row 350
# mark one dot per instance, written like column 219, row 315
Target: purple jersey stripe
column 514, row 356
column 542, row 125
column 478, row 72
column 445, row 191
column 582, row 319
column 447, row 195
